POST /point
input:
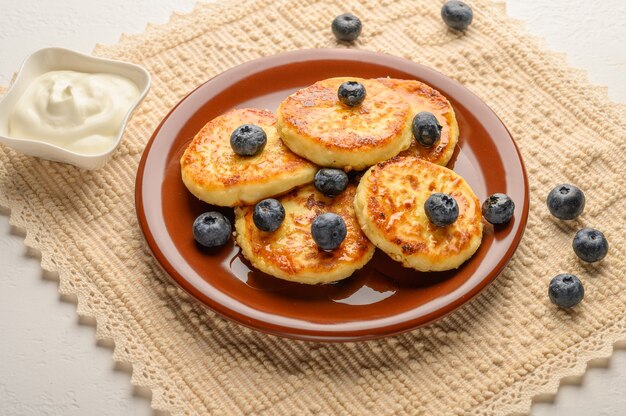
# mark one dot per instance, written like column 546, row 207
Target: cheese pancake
column 422, row 97
column 214, row 173
column 314, row 124
column 389, row 205
column 290, row 253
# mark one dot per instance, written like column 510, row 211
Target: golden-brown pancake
column 314, row 124
column 213, row 172
column 422, row 97
column 290, row 253
column 389, row 205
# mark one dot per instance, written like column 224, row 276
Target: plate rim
column 315, row 54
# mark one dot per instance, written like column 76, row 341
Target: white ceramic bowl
column 53, row 59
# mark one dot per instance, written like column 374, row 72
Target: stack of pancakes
column 385, row 209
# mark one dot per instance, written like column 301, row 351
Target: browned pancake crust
column 214, row 173
column 290, row 252
column 390, row 208
column 422, row 97
column 316, row 125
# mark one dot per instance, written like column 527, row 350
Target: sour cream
column 78, row 111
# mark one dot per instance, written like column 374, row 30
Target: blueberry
column 328, row 230
column 566, row 202
column 441, row 209
column 268, row 215
column 457, row 14
column 331, row 182
column 426, row 128
column 566, row 290
column 346, row 27
column 212, row 229
column 248, row 140
column 590, row 245
column 351, row 93
column 498, row 209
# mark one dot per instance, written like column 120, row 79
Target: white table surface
column 49, row 361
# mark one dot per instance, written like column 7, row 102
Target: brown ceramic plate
column 379, row 300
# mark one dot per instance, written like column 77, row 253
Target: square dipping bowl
column 56, row 59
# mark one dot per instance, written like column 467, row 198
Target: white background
column 49, row 361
